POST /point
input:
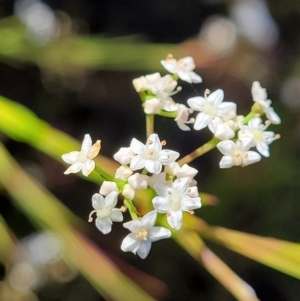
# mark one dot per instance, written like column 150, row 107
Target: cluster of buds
column 149, row 166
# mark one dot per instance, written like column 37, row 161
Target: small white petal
column 137, row 162
column 161, row 204
column 182, row 125
column 153, row 143
column 195, row 78
column 188, row 203
column 252, row 157
column 181, row 185
column 88, row 167
column 153, row 166
column 137, row 146
column 130, row 243
column 149, row 219
column 133, row 225
column 71, row 157
column 201, row 121
column 111, row 199
column 98, row 201
column 226, row 147
column 144, row 249
column 157, row 233
column 216, row 97
column 226, row 162
column 103, row 225
column 116, row 215
column 86, row 144
column 197, row 103
column 272, row 116
column 76, row 167
column 214, row 123
column 263, row 148
column 170, row 65
column 175, row 219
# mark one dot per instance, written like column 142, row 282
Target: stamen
column 123, row 209
column 191, row 212
column 206, row 92
column 169, row 57
column 163, row 143
column 149, row 142
column 90, row 216
column 189, row 190
column 192, row 120
column 168, row 214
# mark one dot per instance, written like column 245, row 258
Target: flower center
column 257, row 135
column 81, row 157
column 142, row 234
column 103, row 212
column 237, row 158
column 174, row 200
column 209, row 109
column 150, row 155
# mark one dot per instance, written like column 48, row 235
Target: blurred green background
column 72, row 63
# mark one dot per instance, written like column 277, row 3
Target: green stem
column 103, row 174
column 248, row 117
column 167, row 114
column 131, row 208
column 199, row 151
column 149, row 124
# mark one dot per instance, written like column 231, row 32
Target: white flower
column 212, row 110
column 143, row 234
column 107, row 187
column 161, row 87
column 259, row 95
column 124, row 155
column 260, row 138
column 237, row 154
column 173, row 200
column 138, row 181
column 123, row 173
column 182, row 118
column 106, row 211
column 183, row 68
column 151, row 156
column 83, row 160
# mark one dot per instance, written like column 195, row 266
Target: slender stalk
column 131, row 208
column 149, row 124
column 211, row 144
column 104, row 175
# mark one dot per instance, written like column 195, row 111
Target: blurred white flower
column 212, row 110
column 143, row 234
column 259, row 95
column 173, row 200
column 151, row 156
column 83, row 160
column 260, row 138
column 105, row 211
column 237, row 154
column 183, row 68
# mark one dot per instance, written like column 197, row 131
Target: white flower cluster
column 220, row 117
column 148, row 165
column 175, row 188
